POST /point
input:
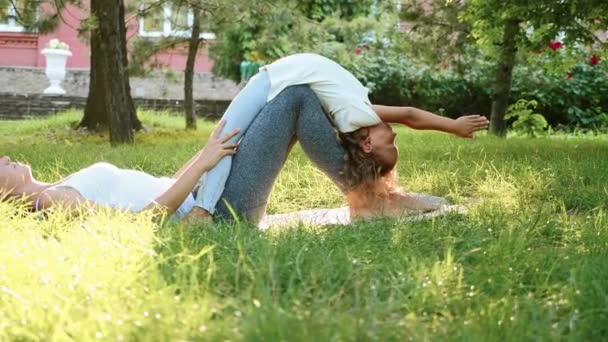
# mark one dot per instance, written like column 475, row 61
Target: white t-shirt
column 105, row 184
column 342, row 96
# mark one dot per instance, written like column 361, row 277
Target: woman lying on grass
column 103, row 184
column 367, row 139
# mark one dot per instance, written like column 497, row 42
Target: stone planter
column 56, row 60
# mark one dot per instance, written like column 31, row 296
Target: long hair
column 366, row 171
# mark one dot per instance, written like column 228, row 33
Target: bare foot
column 197, row 215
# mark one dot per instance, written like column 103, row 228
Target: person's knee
column 298, row 91
column 299, row 95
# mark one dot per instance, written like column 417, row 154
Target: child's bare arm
column 415, row 118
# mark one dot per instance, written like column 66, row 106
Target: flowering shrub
column 575, row 98
column 556, row 45
column 57, row 44
column 570, row 86
column 594, row 60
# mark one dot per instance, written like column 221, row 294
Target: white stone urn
column 56, row 60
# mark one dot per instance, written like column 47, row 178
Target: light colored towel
column 320, row 217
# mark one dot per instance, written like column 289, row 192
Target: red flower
column 569, row 75
column 594, row 60
column 556, row 45
column 358, row 51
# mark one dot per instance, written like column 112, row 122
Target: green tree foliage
column 36, row 15
column 503, row 29
column 264, row 31
column 434, row 35
column 185, row 31
column 503, row 32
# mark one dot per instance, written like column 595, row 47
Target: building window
column 167, row 21
column 8, row 18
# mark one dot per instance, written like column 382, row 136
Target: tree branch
column 590, row 33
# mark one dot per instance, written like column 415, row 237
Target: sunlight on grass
column 100, row 269
column 528, row 261
column 299, row 187
column 498, row 190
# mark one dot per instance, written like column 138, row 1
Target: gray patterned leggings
column 294, row 115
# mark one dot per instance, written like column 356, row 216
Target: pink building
column 18, row 48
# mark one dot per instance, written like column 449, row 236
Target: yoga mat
column 321, row 217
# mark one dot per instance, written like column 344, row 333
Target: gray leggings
column 294, row 115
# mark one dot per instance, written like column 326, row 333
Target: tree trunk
column 109, row 103
column 502, row 86
column 95, row 117
column 193, row 45
column 135, row 123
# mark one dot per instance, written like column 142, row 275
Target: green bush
column 526, row 120
column 577, row 99
column 393, row 79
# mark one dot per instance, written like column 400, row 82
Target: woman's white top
column 342, row 96
column 105, row 184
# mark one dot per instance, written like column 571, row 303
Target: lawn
column 528, row 262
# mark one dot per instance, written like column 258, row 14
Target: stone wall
column 157, row 85
column 15, row 106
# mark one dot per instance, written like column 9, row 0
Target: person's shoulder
column 362, row 113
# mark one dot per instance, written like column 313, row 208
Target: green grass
column 529, row 261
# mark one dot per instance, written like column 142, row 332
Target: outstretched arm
column 415, row 118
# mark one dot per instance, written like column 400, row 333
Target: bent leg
column 319, row 140
column 240, row 114
column 295, row 113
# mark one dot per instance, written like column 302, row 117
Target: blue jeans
column 240, row 114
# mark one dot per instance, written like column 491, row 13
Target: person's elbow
column 409, row 118
column 159, row 210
